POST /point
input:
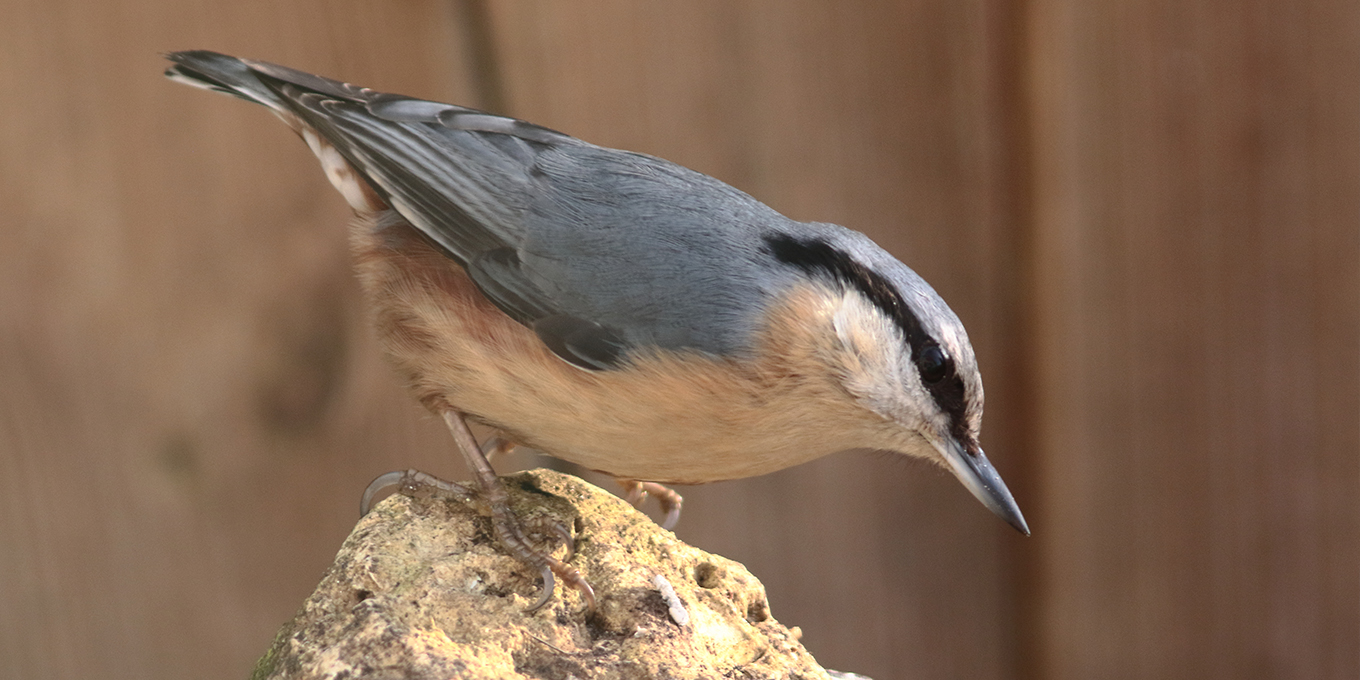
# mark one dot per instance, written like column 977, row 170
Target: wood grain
column 1145, row 212
column 190, row 400
column 1196, row 199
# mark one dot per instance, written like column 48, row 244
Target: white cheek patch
column 341, row 174
column 877, row 366
column 866, row 332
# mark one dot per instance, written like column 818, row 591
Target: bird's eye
column 932, row 364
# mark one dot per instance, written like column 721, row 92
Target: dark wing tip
column 582, row 343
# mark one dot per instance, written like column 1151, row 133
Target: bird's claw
column 666, row 497
column 572, row 579
column 549, row 567
column 497, row 446
column 417, row 484
column 549, row 585
column 413, row 484
column 546, row 526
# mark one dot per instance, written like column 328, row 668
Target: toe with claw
column 504, row 522
column 414, row 484
column 669, row 500
column 496, row 501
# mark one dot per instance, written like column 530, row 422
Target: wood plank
column 190, row 401
column 190, row 398
column 1196, row 195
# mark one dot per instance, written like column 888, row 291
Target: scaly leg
column 417, row 484
column 504, row 522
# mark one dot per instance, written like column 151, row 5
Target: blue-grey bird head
column 906, row 355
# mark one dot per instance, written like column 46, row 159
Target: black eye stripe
column 817, row 257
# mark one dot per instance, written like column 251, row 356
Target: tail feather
column 221, row 73
column 459, row 175
column 273, row 86
column 256, row 81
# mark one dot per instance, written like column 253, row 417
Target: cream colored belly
column 651, row 422
column 668, row 418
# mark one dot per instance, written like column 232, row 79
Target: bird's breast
column 665, row 416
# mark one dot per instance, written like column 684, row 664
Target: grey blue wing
column 465, row 179
column 456, row 186
column 599, row 251
column 461, row 190
column 459, row 175
column 500, row 275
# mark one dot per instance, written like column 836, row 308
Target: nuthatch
column 617, row 310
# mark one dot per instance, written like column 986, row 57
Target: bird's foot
column 414, row 484
column 669, row 500
column 508, row 527
column 495, row 447
column 515, row 540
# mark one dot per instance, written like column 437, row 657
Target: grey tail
column 255, row 81
column 221, row 73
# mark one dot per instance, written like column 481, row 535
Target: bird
column 619, row 311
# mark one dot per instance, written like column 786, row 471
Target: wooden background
column 1147, row 213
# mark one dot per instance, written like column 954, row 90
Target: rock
column 420, row 589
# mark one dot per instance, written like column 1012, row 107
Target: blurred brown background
column 1147, row 213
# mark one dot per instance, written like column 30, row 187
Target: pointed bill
column 983, row 481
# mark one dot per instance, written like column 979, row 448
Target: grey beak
column 982, row 480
